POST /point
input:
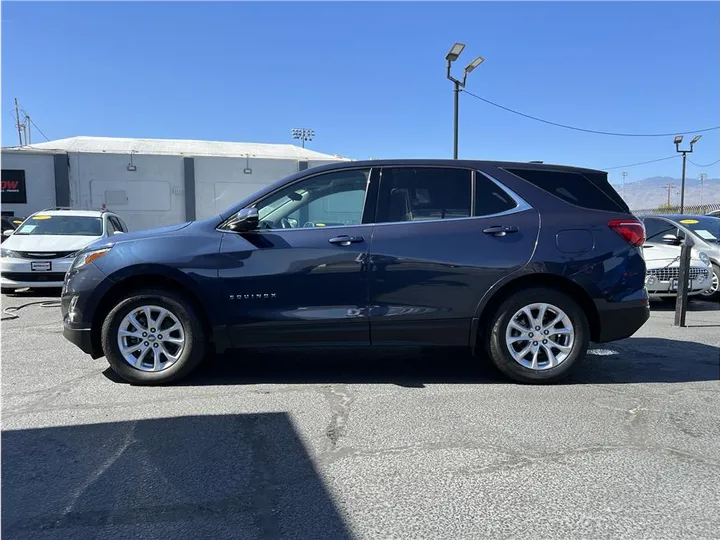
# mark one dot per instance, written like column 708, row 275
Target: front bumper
column 18, row 273
column 80, row 337
column 665, row 289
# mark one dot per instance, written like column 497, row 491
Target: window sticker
column 705, row 235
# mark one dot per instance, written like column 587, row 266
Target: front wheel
column 153, row 337
column 713, row 293
column 538, row 335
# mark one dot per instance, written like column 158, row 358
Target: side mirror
column 672, row 240
column 7, row 232
column 246, row 219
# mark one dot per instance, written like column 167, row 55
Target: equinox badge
column 252, row 296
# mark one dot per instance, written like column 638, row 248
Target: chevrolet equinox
column 523, row 263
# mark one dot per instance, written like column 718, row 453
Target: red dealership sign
column 13, row 186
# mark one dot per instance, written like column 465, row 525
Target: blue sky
column 369, row 78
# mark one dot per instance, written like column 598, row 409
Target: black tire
column 497, row 348
column 195, row 339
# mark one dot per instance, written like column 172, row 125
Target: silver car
column 672, row 229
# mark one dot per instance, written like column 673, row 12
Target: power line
column 34, row 124
column 597, row 132
column 640, row 163
column 708, row 165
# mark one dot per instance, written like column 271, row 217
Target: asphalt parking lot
column 269, row 445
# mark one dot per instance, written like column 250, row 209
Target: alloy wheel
column 540, row 336
column 713, row 286
column 151, row 338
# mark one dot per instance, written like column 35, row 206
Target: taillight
column 631, row 230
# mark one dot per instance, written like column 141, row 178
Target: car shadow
column 633, row 360
column 54, row 292
column 225, row 476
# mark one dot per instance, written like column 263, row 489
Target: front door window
column 328, row 200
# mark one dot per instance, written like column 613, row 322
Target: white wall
column 39, row 180
column 151, row 196
column 220, row 181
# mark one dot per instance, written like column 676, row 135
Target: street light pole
column 684, row 153
column 453, row 55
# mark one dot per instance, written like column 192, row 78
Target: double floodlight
column 454, row 54
column 679, row 138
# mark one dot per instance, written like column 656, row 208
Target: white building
column 149, row 182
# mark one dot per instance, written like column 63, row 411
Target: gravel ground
column 367, row 446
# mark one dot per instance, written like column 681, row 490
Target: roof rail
column 71, row 208
column 535, row 162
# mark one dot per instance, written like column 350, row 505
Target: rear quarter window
column 574, row 188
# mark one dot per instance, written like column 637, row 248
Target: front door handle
column 346, row 240
column 500, row 230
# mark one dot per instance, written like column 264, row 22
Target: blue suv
column 523, row 263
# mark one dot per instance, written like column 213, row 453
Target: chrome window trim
column 521, row 206
column 303, row 179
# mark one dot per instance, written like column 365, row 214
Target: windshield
column 706, row 227
column 62, row 225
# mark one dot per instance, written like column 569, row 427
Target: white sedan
column 40, row 251
column 663, row 271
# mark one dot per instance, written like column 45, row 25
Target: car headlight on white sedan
column 9, row 254
column 704, row 258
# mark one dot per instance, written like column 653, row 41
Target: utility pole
column 19, row 125
column 703, row 177
column 669, row 187
column 28, row 137
column 624, row 175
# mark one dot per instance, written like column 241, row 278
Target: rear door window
column 575, row 188
column 490, row 198
column 424, row 193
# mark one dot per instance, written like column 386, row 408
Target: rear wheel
column 153, row 337
column 538, row 335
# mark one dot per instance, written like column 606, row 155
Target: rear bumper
column 620, row 320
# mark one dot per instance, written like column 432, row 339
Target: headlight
column 9, row 253
column 87, row 257
column 704, row 258
column 650, row 279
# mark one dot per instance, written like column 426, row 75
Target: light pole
column 624, row 175
column 303, row 134
column 453, row 55
column 684, row 153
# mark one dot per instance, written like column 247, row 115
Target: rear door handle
column 499, row 230
column 346, row 240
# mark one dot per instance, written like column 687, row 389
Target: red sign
column 13, row 186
